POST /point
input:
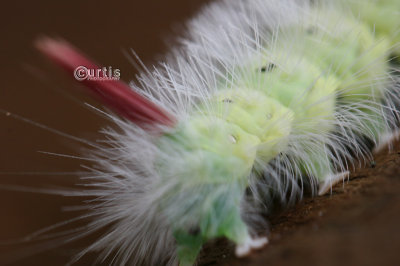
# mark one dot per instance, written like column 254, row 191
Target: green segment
column 328, row 60
column 259, row 115
column 382, row 17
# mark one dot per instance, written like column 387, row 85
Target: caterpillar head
column 204, row 172
column 206, row 162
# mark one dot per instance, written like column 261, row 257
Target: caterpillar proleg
column 262, row 101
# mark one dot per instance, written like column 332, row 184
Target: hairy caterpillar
column 280, row 97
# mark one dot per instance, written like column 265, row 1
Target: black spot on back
column 268, row 68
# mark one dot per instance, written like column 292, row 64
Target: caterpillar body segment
column 382, row 17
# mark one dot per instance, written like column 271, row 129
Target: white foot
column 243, row 250
column 330, row 181
column 385, row 140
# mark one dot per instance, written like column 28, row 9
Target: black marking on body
column 267, row 68
column 194, row 231
column 227, row 100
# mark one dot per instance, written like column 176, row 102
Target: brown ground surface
column 357, row 225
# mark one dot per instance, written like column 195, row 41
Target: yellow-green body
column 328, row 59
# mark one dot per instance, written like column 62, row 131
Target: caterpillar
column 262, row 101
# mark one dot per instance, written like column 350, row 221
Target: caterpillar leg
column 244, row 249
column 385, row 140
column 188, row 248
column 331, row 180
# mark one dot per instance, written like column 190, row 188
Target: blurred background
column 37, row 90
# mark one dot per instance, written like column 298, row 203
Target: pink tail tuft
column 113, row 93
